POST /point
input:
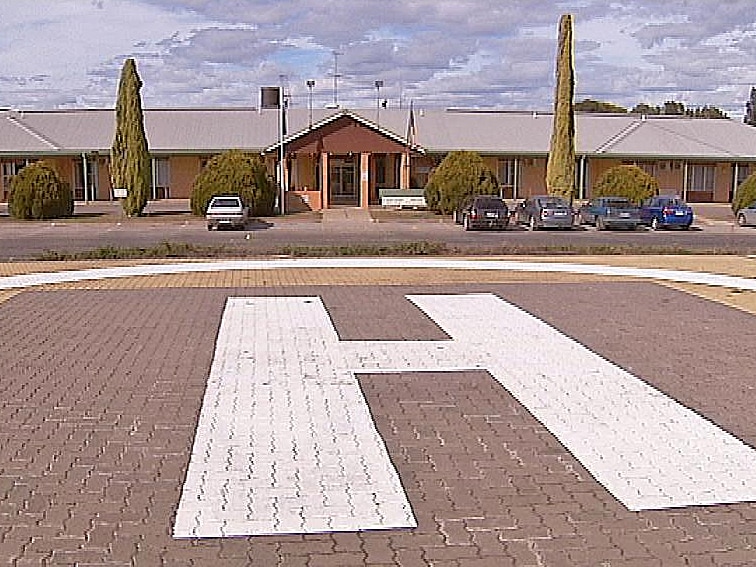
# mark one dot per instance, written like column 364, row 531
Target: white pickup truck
column 227, row 211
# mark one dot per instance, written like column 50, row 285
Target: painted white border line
column 682, row 276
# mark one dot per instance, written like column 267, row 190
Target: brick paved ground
column 100, row 391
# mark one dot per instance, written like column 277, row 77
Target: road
column 101, row 226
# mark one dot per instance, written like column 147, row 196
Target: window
column 508, row 175
column 380, row 170
column 88, row 191
column 701, row 177
column 10, row 169
column 648, row 166
column 507, row 172
column 161, row 177
column 744, row 170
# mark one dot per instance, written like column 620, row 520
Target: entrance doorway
column 343, row 176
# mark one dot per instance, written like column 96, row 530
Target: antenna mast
column 336, row 77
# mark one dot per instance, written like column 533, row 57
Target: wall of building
column 103, row 179
column 184, row 170
column 670, row 175
column 303, row 172
column 533, row 180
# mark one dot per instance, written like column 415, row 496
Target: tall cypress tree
column 560, row 168
column 129, row 156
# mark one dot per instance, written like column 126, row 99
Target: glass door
column 343, row 181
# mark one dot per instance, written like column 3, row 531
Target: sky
column 433, row 53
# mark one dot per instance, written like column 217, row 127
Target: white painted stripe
column 37, row 279
column 285, row 442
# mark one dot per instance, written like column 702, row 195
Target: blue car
column 610, row 212
column 666, row 211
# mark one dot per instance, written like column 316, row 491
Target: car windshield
column 619, row 204
column 489, row 203
column 225, row 203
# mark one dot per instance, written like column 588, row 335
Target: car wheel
column 655, row 224
column 532, row 224
column 741, row 220
column 209, row 227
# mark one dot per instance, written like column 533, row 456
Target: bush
column 746, row 193
column 235, row 173
column 626, row 181
column 459, row 175
column 38, row 192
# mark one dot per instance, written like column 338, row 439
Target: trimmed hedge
column 460, row 174
column 38, row 192
column 235, row 173
column 626, row 181
column 746, row 193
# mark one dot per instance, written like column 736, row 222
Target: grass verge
column 417, row 248
column 162, row 250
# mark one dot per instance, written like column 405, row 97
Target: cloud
column 437, row 52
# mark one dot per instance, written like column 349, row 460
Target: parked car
column 226, row 211
column 482, row 211
column 545, row 211
column 747, row 215
column 610, row 212
column 666, row 211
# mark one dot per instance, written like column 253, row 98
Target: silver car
column 545, row 211
column 747, row 215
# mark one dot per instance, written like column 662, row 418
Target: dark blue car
column 666, row 211
column 610, row 212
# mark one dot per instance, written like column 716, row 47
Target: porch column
column 325, row 189
column 735, row 175
column 516, row 180
column 582, row 185
column 153, row 181
column 85, row 176
column 404, row 171
column 364, row 180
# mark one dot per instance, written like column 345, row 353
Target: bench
column 403, row 198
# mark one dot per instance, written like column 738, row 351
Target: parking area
column 105, row 382
column 99, row 230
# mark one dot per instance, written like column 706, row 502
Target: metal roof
column 208, row 130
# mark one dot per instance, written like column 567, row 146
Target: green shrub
column 626, row 181
column 746, row 193
column 38, row 192
column 235, row 173
column 460, row 174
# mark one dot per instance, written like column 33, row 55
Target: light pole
column 378, row 85
column 281, row 149
column 310, row 85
